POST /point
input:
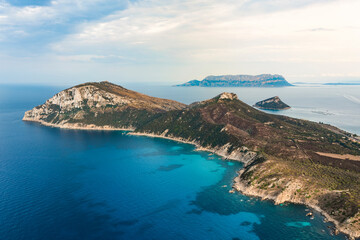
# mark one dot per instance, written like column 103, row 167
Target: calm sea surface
column 71, row 184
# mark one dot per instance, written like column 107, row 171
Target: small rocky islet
column 273, row 103
column 285, row 159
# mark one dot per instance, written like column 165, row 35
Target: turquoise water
column 72, row 184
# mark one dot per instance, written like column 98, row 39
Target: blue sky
column 63, row 42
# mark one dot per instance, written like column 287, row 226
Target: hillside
column 292, row 161
column 263, row 80
column 286, row 159
column 99, row 105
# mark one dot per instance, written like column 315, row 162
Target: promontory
column 285, row 159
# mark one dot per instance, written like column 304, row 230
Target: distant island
column 328, row 84
column 342, row 84
column 263, row 80
column 285, row 159
column 273, row 103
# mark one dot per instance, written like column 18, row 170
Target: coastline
column 77, row 126
column 242, row 187
column 235, row 155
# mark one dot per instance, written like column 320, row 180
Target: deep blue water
column 72, row 184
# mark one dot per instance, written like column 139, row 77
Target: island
column 285, row 159
column 273, row 103
column 263, row 80
column 343, row 84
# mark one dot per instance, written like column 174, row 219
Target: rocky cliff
column 263, row 80
column 99, row 105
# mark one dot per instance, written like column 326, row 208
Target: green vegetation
column 189, row 125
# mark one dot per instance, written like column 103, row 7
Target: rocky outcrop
column 273, row 103
column 263, row 80
column 229, row 96
column 100, row 102
column 262, row 180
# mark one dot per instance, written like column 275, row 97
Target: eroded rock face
column 86, row 96
column 229, row 96
column 96, row 101
column 80, row 98
column 333, row 204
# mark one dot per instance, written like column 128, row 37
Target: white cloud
column 200, row 37
column 34, row 19
column 192, row 30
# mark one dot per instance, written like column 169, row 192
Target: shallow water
column 76, row 184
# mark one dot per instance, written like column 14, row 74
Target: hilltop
column 99, row 105
column 285, row 159
column 263, row 80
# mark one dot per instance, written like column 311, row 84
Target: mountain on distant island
column 285, row 159
column 263, row 80
column 273, row 103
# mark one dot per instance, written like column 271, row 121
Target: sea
column 59, row 184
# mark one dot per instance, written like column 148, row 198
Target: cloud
column 194, row 37
column 219, row 30
column 23, row 26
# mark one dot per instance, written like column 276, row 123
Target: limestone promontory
column 285, row 159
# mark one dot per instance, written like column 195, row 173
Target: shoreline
column 238, row 185
column 241, row 187
column 74, row 126
column 235, row 155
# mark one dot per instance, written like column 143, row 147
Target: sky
column 63, row 42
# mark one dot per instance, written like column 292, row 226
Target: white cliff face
column 101, row 104
column 91, row 96
column 229, row 96
column 242, row 154
column 75, row 98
